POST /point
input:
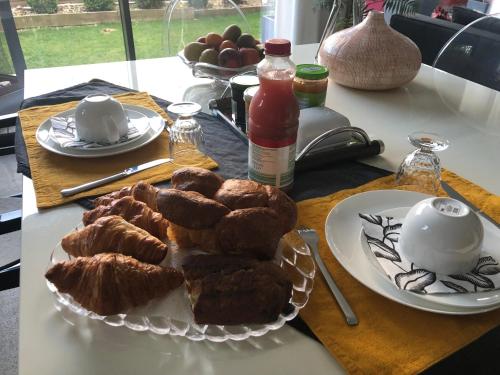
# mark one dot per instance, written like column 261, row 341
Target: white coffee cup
column 100, row 118
column 442, row 235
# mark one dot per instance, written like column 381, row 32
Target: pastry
column 112, row 283
column 190, row 209
column 114, row 234
column 228, row 290
column 207, row 212
column 243, row 217
column 246, row 194
column 250, row 231
column 141, row 191
column 108, row 198
column 135, row 212
column 186, row 238
column 197, row 179
column 241, row 194
column 284, row 206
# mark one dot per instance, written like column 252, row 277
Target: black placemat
column 231, row 153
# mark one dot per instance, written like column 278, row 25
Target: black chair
column 473, row 53
column 429, row 34
column 9, row 221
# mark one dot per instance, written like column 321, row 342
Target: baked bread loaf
column 141, row 191
column 112, row 283
column 197, row 179
column 133, row 211
column 228, row 290
column 114, row 234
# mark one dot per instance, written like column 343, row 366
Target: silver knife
column 118, row 176
column 456, row 195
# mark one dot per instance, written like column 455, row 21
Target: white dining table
column 51, row 342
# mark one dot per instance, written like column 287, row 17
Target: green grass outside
column 5, row 62
column 74, row 45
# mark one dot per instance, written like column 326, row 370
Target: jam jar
column 310, row 85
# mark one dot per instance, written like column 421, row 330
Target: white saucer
column 135, row 119
column 344, row 236
column 156, row 125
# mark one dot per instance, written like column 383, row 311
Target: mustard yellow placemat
column 390, row 337
column 51, row 172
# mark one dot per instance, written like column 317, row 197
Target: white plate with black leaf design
column 344, row 236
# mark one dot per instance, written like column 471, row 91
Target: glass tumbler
column 186, row 141
column 421, row 169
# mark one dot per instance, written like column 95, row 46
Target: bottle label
column 310, row 99
column 271, row 166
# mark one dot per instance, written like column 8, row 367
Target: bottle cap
column 311, row 71
column 277, row 47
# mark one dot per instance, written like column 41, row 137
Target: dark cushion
column 464, row 16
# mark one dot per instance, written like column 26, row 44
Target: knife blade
column 456, row 195
column 126, row 172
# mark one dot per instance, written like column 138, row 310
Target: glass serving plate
column 172, row 314
column 204, row 70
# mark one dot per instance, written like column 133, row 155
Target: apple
column 214, row 40
column 230, row 58
column 249, row 56
column 228, row 44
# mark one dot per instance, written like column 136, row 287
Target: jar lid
column 244, row 80
column 277, row 47
column 250, row 92
column 311, row 71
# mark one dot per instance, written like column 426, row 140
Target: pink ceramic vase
column 370, row 56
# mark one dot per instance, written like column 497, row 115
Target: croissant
column 114, row 234
column 108, row 198
column 135, row 212
column 112, row 283
column 141, row 191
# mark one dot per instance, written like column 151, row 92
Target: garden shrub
column 98, row 5
column 149, row 4
column 43, row 6
column 198, row 4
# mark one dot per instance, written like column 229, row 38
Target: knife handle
column 91, row 185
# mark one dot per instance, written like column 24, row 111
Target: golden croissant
column 141, row 191
column 133, row 211
column 115, row 234
column 112, row 283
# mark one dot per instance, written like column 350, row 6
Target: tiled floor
column 10, row 249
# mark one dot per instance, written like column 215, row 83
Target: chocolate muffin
column 229, row 290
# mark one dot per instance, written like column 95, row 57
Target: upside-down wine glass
column 421, row 169
column 186, row 140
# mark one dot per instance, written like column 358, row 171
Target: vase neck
column 375, row 17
